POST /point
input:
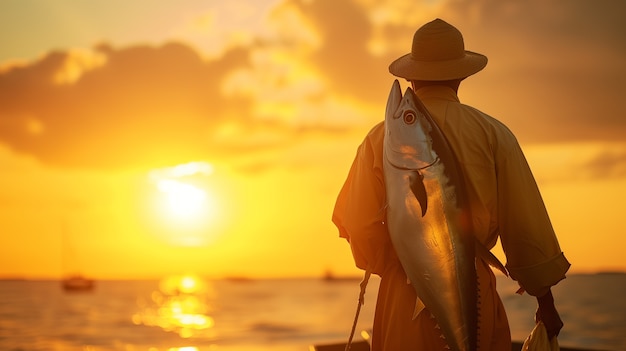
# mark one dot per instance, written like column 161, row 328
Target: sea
column 187, row 313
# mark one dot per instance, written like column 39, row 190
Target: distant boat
column 77, row 283
column 330, row 277
column 73, row 282
column 238, row 279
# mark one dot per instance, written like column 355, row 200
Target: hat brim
column 409, row 68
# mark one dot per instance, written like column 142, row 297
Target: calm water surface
column 187, row 314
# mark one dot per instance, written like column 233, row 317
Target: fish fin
column 419, row 190
column 394, row 99
column 419, row 306
column 490, row 258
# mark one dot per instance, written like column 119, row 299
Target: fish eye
column 409, row 117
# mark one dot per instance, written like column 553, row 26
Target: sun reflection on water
column 181, row 305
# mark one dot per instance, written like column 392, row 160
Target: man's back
column 479, row 142
column 504, row 198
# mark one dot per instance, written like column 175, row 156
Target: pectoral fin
column 419, row 190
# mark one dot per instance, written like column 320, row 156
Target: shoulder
column 370, row 152
column 494, row 123
column 500, row 134
column 374, row 138
column 377, row 131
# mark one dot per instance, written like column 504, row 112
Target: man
column 504, row 199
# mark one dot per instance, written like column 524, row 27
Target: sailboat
column 74, row 282
column 77, row 282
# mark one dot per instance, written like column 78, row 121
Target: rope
column 363, row 285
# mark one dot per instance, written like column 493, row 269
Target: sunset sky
column 152, row 137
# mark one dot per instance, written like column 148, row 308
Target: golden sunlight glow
column 185, row 210
column 188, row 284
column 185, row 201
column 180, row 305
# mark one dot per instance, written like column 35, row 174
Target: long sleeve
column 534, row 257
column 359, row 211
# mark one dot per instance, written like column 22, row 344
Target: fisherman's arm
column 359, row 212
column 534, row 257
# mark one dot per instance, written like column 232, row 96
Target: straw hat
column 438, row 53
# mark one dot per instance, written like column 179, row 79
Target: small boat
column 77, row 283
column 72, row 280
column 362, row 345
column 330, row 277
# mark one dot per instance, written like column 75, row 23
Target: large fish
column 428, row 218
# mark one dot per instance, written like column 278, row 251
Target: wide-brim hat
column 438, row 53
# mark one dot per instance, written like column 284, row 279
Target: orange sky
column 212, row 137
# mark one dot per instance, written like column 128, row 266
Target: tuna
column 429, row 218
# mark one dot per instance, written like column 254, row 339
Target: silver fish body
column 428, row 219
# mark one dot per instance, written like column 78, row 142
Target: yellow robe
column 505, row 203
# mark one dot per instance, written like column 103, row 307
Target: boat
column 330, row 277
column 74, row 281
column 363, row 345
column 77, row 283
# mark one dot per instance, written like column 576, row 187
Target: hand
column 547, row 313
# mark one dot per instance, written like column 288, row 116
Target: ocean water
column 190, row 314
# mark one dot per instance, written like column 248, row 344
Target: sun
column 185, row 201
column 186, row 211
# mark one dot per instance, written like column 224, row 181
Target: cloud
column 578, row 162
column 344, row 58
column 149, row 106
column 555, row 74
column 606, row 165
column 556, row 69
column 319, row 68
column 154, row 106
column 145, row 105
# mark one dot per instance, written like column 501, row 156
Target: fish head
column 408, row 143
